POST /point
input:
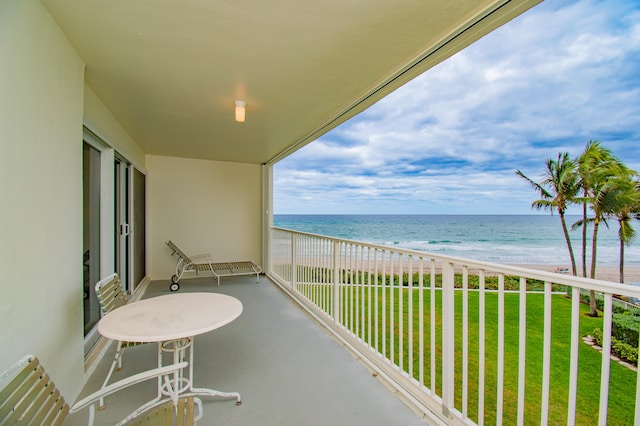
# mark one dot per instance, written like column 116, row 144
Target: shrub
column 625, row 328
column 625, row 351
column 619, row 348
column 597, row 336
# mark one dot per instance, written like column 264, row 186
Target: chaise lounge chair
column 204, row 263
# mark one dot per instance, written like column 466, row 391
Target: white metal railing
column 449, row 335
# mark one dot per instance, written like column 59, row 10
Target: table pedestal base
column 182, row 384
column 178, row 385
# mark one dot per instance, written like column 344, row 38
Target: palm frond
column 538, row 187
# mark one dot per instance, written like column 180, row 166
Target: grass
column 622, row 380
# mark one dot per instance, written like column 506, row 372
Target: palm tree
column 593, row 156
column 561, row 179
column 596, row 165
column 611, row 194
column 628, row 209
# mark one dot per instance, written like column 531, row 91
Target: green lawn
column 623, row 380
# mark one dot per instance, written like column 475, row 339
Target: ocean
column 510, row 239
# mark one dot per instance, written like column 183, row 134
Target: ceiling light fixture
column 240, row 111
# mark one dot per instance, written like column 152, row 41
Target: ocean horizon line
column 425, row 214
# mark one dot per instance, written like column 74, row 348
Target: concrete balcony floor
column 288, row 369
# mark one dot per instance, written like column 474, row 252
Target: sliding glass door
column 114, row 212
column 139, row 231
column 91, row 173
column 122, row 234
column 129, row 233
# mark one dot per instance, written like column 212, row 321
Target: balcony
column 287, row 368
column 496, row 343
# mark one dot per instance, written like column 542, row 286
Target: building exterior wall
column 203, row 207
column 41, row 108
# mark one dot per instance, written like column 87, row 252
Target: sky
column 450, row 141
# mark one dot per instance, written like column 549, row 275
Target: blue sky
column 449, row 141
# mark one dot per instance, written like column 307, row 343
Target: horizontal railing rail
column 463, row 341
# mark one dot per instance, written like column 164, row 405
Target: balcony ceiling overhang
column 169, row 71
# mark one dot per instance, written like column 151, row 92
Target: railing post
column 336, row 281
column 294, row 261
column 448, row 338
column 607, row 316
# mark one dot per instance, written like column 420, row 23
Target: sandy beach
column 606, row 272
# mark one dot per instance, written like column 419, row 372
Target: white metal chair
column 110, row 293
column 29, row 397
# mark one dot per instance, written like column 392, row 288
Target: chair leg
column 116, row 361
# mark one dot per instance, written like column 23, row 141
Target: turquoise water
column 515, row 239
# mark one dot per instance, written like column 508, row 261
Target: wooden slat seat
column 169, row 414
column 28, row 396
column 32, row 398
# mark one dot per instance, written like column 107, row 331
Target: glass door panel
column 139, row 232
column 123, row 222
column 91, row 233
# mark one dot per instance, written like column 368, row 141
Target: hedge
column 625, row 328
column 620, row 349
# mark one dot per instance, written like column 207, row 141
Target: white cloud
column 451, row 140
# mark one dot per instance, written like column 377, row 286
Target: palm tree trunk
column 622, row 261
column 593, row 308
column 584, row 238
column 594, row 245
column 593, row 311
column 568, row 240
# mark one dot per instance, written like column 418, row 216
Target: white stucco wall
column 101, row 122
column 204, row 207
column 41, row 107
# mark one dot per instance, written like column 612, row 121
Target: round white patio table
column 173, row 321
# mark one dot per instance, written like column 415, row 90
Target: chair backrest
column 110, row 293
column 28, row 396
column 181, row 414
column 179, row 252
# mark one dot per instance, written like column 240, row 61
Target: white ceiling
column 170, row 70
